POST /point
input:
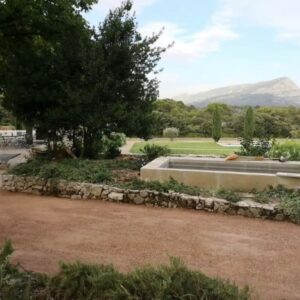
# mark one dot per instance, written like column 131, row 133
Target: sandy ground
column 127, row 147
column 44, row 230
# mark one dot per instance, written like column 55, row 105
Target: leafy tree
column 216, row 125
column 117, row 93
column 272, row 123
column 22, row 22
column 249, row 123
column 34, row 35
column 61, row 76
column 171, row 133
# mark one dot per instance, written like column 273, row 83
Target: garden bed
column 118, row 180
column 112, row 171
column 78, row 191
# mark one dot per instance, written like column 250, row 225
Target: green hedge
column 81, row 281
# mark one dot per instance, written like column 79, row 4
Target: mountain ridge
column 277, row 92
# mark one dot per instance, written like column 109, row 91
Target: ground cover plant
column 105, row 282
column 165, row 187
column 102, row 171
column 288, row 199
column 187, row 147
column 80, row 170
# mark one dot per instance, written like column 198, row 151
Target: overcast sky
column 219, row 42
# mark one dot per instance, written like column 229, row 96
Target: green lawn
column 182, row 147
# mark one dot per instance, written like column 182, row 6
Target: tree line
column 277, row 122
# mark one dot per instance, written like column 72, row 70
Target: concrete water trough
column 215, row 173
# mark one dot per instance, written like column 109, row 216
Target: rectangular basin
column 215, row 173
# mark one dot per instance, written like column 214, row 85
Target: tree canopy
column 62, row 76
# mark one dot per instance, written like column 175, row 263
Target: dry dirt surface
column 45, row 230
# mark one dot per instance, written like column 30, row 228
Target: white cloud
column 280, row 15
column 190, row 46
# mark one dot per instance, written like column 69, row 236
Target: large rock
column 96, row 191
column 209, row 203
column 138, row 200
column 116, row 196
column 221, row 205
column 144, row 194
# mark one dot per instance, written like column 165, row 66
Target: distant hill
column 278, row 92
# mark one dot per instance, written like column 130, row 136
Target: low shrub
column 165, row 187
column 289, row 150
column 228, row 195
column 31, row 168
column 177, row 187
column 251, row 147
column 288, row 199
column 291, row 206
column 15, row 284
column 112, row 144
column 81, row 281
column 272, row 193
column 50, row 171
column 153, row 151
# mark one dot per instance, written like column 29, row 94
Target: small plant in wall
column 171, row 133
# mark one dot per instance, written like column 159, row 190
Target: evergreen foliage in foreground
column 80, row 281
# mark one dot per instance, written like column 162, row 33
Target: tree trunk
column 29, row 135
column 91, row 144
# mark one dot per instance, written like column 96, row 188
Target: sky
column 218, row 42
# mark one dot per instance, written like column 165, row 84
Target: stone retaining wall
column 75, row 190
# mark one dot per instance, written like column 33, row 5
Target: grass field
column 204, row 146
column 188, row 147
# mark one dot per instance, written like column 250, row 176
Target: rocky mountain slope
column 277, row 92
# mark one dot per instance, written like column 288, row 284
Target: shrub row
column 101, row 282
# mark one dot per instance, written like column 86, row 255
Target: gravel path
column 125, row 150
column 44, row 230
